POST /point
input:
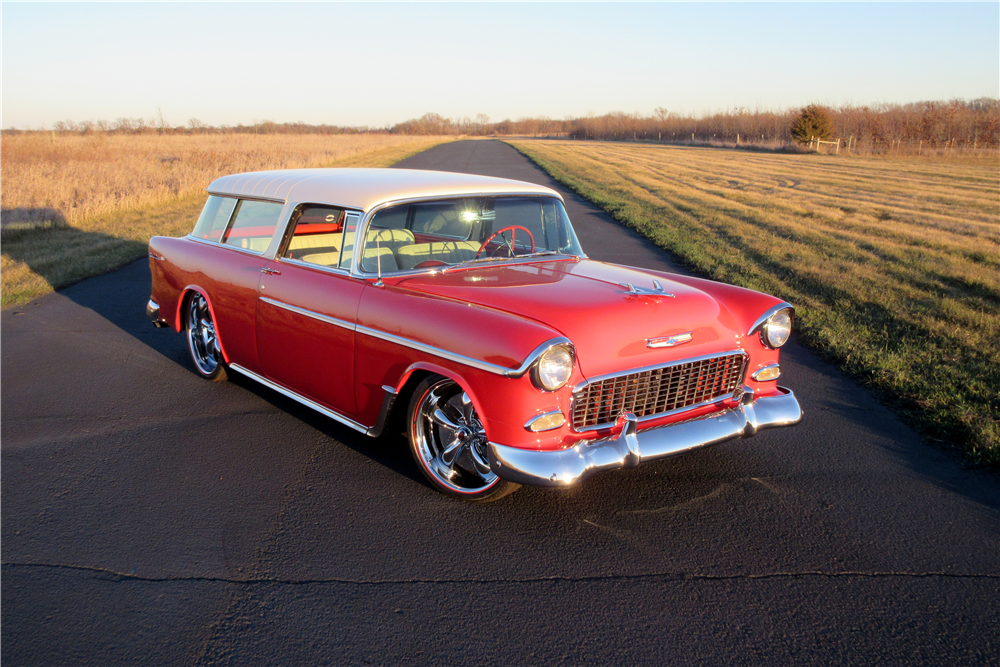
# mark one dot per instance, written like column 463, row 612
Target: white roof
column 365, row 188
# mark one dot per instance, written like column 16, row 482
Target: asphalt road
column 152, row 518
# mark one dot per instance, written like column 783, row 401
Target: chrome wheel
column 449, row 440
column 202, row 338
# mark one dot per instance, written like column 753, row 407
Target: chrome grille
column 657, row 391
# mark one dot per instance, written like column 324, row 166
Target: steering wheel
column 509, row 244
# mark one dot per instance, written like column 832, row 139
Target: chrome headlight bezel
column 770, row 327
column 563, row 355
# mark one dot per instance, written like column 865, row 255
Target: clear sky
column 378, row 64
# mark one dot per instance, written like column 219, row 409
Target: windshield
column 434, row 234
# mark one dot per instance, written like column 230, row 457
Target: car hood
column 586, row 302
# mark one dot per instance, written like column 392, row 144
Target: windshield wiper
column 542, row 253
column 483, row 260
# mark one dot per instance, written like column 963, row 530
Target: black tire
column 448, row 442
column 203, row 342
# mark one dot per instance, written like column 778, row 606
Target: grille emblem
column 670, row 341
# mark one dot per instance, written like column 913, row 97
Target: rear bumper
column 153, row 312
column 569, row 466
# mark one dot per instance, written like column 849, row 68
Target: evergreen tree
column 813, row 123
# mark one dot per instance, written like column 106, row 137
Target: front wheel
column 449, row 442
column 203, row 341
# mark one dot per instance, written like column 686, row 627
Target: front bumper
column 153, row 312
column 569, row 466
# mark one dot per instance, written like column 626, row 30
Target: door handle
column 271, row 272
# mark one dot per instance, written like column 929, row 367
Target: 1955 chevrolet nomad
column 467, row 302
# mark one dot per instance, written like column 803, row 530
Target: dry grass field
column 893, row 265
column 77, row 206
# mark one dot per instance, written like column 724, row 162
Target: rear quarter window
column 214, row 218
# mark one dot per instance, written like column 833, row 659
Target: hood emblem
column 670, row 341
column 645, row 291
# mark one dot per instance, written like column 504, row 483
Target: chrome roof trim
column 274, row 200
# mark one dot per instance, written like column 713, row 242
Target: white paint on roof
column 365, row 188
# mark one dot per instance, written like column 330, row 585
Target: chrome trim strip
column 245, row 251
column 565, row 467
column 308, row 313
column 764, row 368
column 299, row 398
column 422, row 347
column 656, row 367
column 762, row 320
column 336, row 270
column 436, row 351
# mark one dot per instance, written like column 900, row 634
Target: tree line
column 870, row 129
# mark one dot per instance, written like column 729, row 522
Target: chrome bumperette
column 631, row 446
column 153, row 312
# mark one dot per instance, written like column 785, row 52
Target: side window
column 214, row 218
column 317, row 235
column 254, row 225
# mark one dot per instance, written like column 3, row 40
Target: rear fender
column 185, row 293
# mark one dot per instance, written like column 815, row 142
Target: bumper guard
column 153, row 312
column 631, row 447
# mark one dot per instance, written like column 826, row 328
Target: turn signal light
column 772, row 372
column 548, row 421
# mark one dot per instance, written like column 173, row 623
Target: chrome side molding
column 299, row 398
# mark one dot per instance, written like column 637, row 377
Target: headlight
column 777, row 329
column 553, row 368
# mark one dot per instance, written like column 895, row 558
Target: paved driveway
column 152, row 518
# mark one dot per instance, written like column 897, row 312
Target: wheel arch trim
column 185, row 293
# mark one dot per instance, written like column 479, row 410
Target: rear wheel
column 203, row 341
column 449, row 442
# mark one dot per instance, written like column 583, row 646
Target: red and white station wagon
column 466, row 302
